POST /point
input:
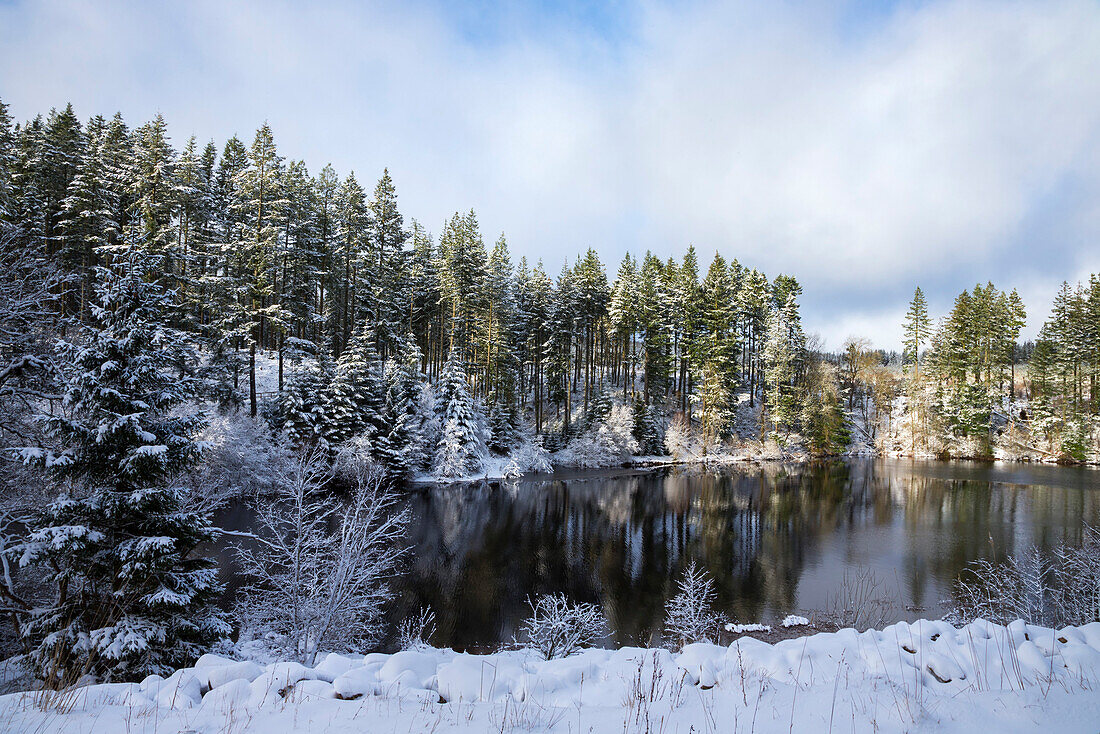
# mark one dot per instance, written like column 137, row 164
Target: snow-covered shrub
column 558, row 628
column 610, row 442
column 313, row 586
column 1078, row 571
column 416, row 631
column 240, row 457
column 1055, row 589
column 529, row 456
column 1019, row 588
column 681, row 442
column 690, row 615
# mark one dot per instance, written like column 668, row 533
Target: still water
column 777, row 539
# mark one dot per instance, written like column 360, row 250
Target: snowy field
column 925, row 676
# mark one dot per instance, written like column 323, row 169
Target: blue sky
column 863, row 147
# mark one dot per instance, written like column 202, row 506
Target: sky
column 863, row 147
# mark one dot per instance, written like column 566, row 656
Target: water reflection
column 777, row 539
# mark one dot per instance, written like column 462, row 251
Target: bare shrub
column 558, row 628
column 320, row 569
column 690, row 616
column 861, row 601
column 415, row 632
column 1053, row 589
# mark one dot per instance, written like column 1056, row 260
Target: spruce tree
column 400, row 443
column 133, row 597
column 918, row 327
column 462, row 439
column 356, row 394
column 304, row 406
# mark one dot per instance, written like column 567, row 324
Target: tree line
column 260, row 254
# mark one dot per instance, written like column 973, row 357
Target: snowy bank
column 907, row 677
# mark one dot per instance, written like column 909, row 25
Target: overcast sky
column 863, row 147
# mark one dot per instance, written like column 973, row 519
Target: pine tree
column 623, row 311
column 647, row 429
column 495, row 330
column 133, row 598
column 304, row 406
column 153, row 191
column 781, row 356
column 84, row 219
column 461, row 267
column 716, row 361
column 387, row 251
column 8, row 160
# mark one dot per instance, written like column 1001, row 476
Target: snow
column 740, row 629
column 921, row 676
column 793, row 620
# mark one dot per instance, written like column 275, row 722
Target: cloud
column 938, row 144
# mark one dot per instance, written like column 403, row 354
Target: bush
column 557, row 628
column 1053, row 590
column 415, row 632
column 610, row 442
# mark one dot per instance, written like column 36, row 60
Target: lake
column 776, row 538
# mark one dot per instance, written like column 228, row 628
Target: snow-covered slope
column 924, row 676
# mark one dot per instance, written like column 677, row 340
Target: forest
column 151, row 296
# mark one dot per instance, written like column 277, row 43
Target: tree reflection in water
column 776, row 539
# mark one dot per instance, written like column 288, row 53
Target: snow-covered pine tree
column 623, row 313
column 153, row 191
column 389, row 266
column 351, row 224
column 401, row 443
column 781, row 353
column 303, row 411
column 502, row 428
column 7, row 165
column 647, row 429
column 357, row 393
column 495, row 328
column 462, row 440
column 716, row 366
column 133, row 597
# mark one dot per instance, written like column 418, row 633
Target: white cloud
column 941, row 145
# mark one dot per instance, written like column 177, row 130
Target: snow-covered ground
column 924, row 676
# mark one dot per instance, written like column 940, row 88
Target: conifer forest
column 193, row 325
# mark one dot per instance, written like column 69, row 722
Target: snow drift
column 904, row 677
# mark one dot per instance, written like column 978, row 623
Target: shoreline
column 652, row 463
